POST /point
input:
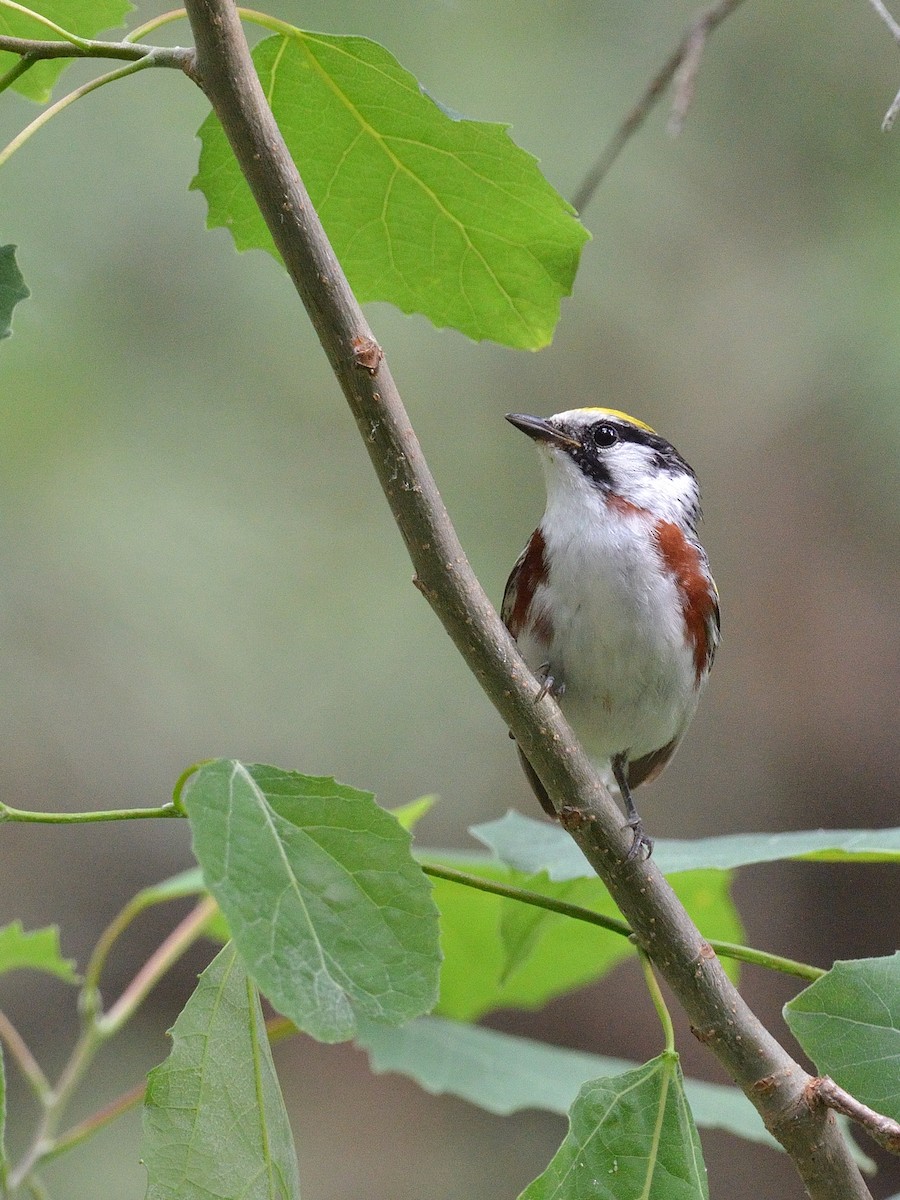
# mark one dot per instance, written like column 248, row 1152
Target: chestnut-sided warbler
column 612, row 603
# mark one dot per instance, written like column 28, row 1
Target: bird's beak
column 540, row 429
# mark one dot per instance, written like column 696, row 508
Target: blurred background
column 195, row 558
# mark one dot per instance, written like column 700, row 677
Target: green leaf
column 38, row 950
column 500, row 953
column 86, row 18
column 532, row 846
column 438, row 216
column 214, row 1118
column 331, row 915
column 848, row 1022
column 477, row 976
column 12, row 286
column 504, row 1074
column 409, row 815
column 630, row 1136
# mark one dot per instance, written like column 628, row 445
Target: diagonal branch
column 682, row 65
column 883, row 1130
column 772, row 1080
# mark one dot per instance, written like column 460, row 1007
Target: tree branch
column 164, row 56
column 890, row 116
column 773, row 1081
column 682, row 65
column 882, row 1129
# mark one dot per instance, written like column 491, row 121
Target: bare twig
column 662, row 927
column 890, row 116
column 884, row 1130
column 683, row 62
column 892, row 25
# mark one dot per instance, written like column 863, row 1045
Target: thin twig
column 883, row 1130
column 684, row 61
column 892, row 25
column 24, row 1059
column 890, row 116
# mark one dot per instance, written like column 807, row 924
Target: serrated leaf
column 533, row 846
column 38, row 950
column 848, row 1022
column 12, row 286
column 629, row 1136
column 504, row 1074
column 214, row 1118
column 440, row 216
column 86, row 18
column 497, row 954
column 332, row 916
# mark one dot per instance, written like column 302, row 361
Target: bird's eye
column 604, row 436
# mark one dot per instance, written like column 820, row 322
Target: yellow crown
column 621, row 416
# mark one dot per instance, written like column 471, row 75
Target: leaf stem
column 148, row 60
column 24, row 1059
column 73, row 38
column 659, row 1003
column 759, row 958
column 168, row 952
column 25, row 63
column 96, row 1121
column 60, row 818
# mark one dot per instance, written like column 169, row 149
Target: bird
column 612, row 603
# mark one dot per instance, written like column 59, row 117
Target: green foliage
column 12, row 285
column 438, row 216
column 38, row 950
column 848, row 1022
column 214, row 1118
column 504, row 1074
column 532, row 846
column 629, row 1136
column 82, row 17
column 330, row 913
column 499, row 953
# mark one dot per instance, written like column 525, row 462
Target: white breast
column 618, row 645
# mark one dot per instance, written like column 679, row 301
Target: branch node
column 367, row 354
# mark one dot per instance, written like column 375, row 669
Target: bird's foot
column 642, row 845
column 550, row 685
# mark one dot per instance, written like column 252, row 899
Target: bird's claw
column 642, row 845
column 549, row 684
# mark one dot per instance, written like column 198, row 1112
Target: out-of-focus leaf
column 630, row 1136
column 12, row 283
column 38, row 950
column 439, row 216
column 532, row 846
column 409, row 815
column 86, row 18
column 504, row 1074
column 848, row 1022
column 214, row 1119
column 332, row 916
column 497, row 954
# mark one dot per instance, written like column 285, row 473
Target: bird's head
column 598, row 452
